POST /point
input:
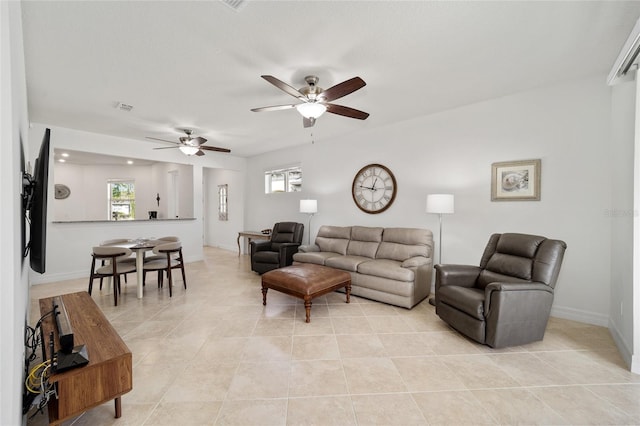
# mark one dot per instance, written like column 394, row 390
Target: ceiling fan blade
column 168, row 147
column 308, row 122
column 163, row 140
column 284, row 87
column 342, row 89
column 200, row 153
column 347, row 112
column 273, row 108
column 214, row 148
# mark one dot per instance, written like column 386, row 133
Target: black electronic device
column 68, row 355
column 34, row 201
column 65, row 332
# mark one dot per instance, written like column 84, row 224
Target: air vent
column 236, row 5
column 124, row 107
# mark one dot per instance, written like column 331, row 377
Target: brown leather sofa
column 506, row 301
column 277, row 252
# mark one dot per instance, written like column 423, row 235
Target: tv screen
column 38, row 208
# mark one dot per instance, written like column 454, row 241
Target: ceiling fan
column 315, row 100
column 190, row 145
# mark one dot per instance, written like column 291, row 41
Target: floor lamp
column 309, row 207
column 439, row 204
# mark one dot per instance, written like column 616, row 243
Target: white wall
column 622, row 215
column 13, row 279
column 218, row 233
column 567, row 127
column 78, row 238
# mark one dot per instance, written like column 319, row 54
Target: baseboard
column 580, row 316
column 623, row 348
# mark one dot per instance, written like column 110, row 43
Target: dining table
column 139, row 246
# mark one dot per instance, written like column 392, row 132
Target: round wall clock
column 374, row 188
column 61, row 191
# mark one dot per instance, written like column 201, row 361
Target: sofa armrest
column 287, row 250
column 459, row 275
column 308, row 248
column 414, row 262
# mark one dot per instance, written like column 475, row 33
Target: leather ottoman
column 305, row 281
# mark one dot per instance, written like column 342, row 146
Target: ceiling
column 198, row 64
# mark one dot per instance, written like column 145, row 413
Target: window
column 283, row 180
column 122, row 199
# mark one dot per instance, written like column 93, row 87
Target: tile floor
column 214, row 355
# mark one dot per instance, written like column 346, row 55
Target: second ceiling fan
column 190, row 145
column 315, row 100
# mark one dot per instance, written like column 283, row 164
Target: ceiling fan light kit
column 188, row 150
column 311, row 109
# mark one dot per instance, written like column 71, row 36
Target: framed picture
column 515, row 181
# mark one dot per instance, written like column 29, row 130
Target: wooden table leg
column 348, row 291
column 264, row 295
column 239, row 252
column 118, row 403
column 307, row 308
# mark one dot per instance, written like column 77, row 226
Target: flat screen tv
column 35, row 203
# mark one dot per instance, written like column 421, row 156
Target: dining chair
column 116, row 241
column 167, row 239
column 169, row 257
column 112, row 268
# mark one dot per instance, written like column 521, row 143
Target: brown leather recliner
column 506, row 301
column 278, row 252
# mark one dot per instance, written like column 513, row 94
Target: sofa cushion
column 333, row 238
column 403, row 243
column 317, row 257
column 346, row 263
column 364, row 241
column 386, row 268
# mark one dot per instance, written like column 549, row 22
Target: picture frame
column 516, row 180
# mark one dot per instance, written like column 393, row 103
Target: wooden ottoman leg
column 264, row 295
column 307, row 308
column 348, row 288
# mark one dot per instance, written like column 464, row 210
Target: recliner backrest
column 286, row 232
column 512, row 257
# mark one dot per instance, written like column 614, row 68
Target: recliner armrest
column 287, row 250
column 257, row 246
column 459, row 275
column 513, row 288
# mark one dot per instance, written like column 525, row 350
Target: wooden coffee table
column 305, row 281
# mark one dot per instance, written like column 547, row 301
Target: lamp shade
column 308, row 206
column 440, row 203
column 311, row 109
column 189, row 150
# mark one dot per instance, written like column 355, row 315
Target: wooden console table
column 251, row 235
column 106, row 377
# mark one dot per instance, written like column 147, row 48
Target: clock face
column 374, row 188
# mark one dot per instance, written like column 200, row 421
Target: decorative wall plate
column 61, row 191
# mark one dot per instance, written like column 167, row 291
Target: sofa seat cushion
column 346, row 263
column 467, row 300
column 317, row 257
column 386, row 268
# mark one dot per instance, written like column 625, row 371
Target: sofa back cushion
column 404, row 243
column 364, row 241
column 334, row 239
